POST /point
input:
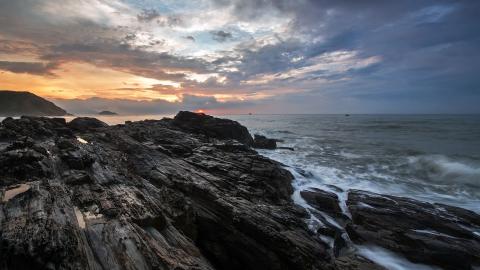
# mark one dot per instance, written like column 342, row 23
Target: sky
column 241, row 56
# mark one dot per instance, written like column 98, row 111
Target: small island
column 107, row 113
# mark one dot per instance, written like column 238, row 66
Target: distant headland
column 13, row 103
column 107, row 113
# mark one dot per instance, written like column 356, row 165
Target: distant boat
column 347, row 114
column 249, row 113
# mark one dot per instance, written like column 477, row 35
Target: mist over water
column 434, row 158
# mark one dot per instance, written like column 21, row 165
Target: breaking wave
column 443, row 170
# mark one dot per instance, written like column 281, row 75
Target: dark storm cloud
column 191, row 38
column 34, row 68
column 126, row 58
column 221, row 36
column 426, row 49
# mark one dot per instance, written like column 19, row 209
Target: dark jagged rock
column 262, row 142
column 147, row 195
column 355, row 262
column 322, row 200
column 86, row 123
column 34, row 127
column 14, row 103
column 425, row 233
column 213, row 127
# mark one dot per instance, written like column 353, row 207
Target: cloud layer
column 265, row 55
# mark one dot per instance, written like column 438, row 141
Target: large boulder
column 425, row 233
column 322, row 200
column 86, row 123
column 263, row 142
column 212, row 127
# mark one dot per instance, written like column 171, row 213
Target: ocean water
column 434, row 158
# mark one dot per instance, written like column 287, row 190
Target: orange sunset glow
column 239, row 57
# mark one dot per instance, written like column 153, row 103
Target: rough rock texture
column 212, row 127
column 147, row 195
column 263, row 142
column 424, row 233
column 322, row 200
column 85, row 123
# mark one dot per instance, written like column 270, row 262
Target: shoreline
column 195, row 179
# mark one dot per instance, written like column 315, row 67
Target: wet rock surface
column 187, row 193
column 262, row 142
column 432, row 234
column 427, row 233
column 212, row 127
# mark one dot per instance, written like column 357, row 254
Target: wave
column 443, row 170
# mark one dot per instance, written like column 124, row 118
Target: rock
column 150, row 195
column 263, row 142
column 34, row 127
column 355, row 262
column 86, row 123
column 422, row 232
column 212, row 127
column 77, row 159
column 328, row 206
column 323, row 201
column 66, row 144
column 75, row 177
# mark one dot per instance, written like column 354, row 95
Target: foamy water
column 429, row 158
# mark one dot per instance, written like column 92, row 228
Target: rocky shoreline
column 191, row 193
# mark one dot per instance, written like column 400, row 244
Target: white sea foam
column 349, row 155
column 390, row 260
column 441, row 169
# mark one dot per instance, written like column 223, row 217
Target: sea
column 432, row 158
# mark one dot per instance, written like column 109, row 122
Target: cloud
column 262, row 48
column 148, row 15
column 221, row 36
column 191, row 38
column 34, row 68
column 125, row 106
